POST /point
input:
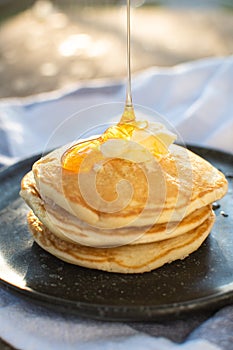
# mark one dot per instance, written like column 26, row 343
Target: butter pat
column 125, row 149
column 155, row 137
column 148, row 140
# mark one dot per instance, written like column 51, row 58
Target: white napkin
column 31, row 327
column 196, row 98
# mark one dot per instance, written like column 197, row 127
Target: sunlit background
column 47, row 45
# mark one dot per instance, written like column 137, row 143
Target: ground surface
column 46, row 47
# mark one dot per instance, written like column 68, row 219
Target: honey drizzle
column 72, row 159
column 128, row 114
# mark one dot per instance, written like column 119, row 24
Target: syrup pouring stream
column 128, row 114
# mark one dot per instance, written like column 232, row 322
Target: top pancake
column 159, row 192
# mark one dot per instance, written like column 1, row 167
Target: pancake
column 179, row 184
column 125, row 259
column 122, row 214
column 69, row 228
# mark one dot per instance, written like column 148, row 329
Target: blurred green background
column 47, row 45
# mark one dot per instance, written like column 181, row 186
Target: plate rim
column 222, row 296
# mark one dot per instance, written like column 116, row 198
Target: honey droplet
column 128, row 115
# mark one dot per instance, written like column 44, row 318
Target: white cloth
column 197, row 99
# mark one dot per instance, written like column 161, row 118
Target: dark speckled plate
column 202, row 281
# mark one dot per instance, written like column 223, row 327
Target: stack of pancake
column 164, row 215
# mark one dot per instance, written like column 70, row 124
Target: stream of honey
column 90, row 150
column 74, row 156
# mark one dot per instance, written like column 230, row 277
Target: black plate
column 203, row 280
